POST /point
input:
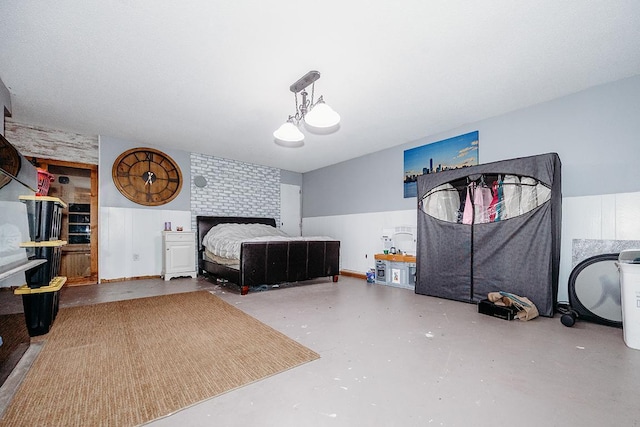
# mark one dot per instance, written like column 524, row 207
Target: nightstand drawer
column 179, row 236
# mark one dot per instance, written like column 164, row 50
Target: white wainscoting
column 605, row 217
column 611, row 216
column 131, row 240
column 360, row 235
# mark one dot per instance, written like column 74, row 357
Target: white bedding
column 224, row 240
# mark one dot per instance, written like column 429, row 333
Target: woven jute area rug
column 129, row 362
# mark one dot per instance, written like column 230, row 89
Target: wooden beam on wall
column 40, row 142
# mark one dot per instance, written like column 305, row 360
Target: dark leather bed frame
column 269, row 263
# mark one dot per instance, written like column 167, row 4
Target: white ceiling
column 213, row 76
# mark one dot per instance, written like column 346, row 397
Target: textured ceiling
column 213, row 76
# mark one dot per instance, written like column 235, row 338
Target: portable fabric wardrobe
column 518, row 254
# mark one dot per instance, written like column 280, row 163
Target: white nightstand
column 178, row 254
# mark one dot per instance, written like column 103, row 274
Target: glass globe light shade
column 288, row 135
column 322, row 116
column 288, row 132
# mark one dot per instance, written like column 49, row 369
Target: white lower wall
column 127, row 234
column 609, row 217
column 360, row 235
column 606, row 217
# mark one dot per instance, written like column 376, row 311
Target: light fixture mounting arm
column 303, row 108
column 304, row 81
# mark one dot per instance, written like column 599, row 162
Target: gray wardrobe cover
column 520, row 255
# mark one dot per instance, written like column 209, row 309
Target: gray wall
column 596, row 133
column 291, row 178
column 111, row 148
column 234, row 188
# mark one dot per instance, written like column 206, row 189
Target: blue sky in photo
column 450, row 153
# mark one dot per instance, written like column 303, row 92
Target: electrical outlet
column 136, row 257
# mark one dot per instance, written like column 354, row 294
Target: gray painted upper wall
column 291, row 178
column 595, row 132
column 111, row 148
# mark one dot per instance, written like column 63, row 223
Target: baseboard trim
column 355, row 274
column 124, row 279
column 347, row 273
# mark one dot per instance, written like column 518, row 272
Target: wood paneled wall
column 54, row 144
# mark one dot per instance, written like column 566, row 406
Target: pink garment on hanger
column 467, row 214
column 482, row 202
column 477, row 204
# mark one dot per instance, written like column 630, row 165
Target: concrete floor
column 390, row 357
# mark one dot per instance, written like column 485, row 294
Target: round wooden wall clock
column 146, row 176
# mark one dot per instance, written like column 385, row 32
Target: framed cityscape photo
column 452, row 153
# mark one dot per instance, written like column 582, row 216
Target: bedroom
column 572, row 114
column 596, row 205
column 601, row 185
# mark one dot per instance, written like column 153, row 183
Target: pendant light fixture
column 317, row 116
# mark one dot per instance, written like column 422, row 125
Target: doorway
column 76, row 184
column 290, row 216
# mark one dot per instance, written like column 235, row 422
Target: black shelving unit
column 40, row 294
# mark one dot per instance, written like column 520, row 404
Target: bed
column 268, row 262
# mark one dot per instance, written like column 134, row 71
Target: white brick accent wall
column 234, row 188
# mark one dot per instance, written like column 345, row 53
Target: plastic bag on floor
column 526, row 309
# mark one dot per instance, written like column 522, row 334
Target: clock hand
column 149, row 178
